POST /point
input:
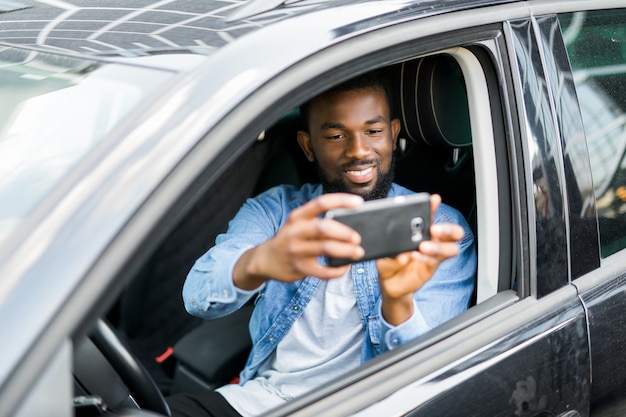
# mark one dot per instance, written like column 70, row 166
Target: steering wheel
column 140, row 384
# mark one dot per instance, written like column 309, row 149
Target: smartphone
column 388, row 226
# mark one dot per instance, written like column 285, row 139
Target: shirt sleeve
column 394, row 336
column 209, row 291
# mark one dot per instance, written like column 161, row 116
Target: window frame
column 489, row 38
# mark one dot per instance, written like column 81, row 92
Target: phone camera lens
column 417, row 227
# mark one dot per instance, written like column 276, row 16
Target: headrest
column 431, row 102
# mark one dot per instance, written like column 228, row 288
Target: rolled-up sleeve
column 394, row 336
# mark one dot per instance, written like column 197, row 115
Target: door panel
column 606, row 307
column 594, row 43
column 531, row 359
column 545, row 374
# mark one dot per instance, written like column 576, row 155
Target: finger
column 332, row 229
column 311, row 267
column 324, row 203
column 321, row 229
column 328, row 272
column 426, row 264
column 435, row 201
column 446, row 232
column 439, row 250
column 329, row 248
column 401, row 258
column 389, row 266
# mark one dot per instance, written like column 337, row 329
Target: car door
column 594, row 40
column 524, row 350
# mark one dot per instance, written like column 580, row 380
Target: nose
column 357, row 147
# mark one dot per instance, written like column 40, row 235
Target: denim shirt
column 209, row 291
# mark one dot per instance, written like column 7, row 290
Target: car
column 132, row 131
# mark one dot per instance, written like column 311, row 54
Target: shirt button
column 271, row 340
column 296, row 308
column 394, row 342
column 226, row 293
column 360, row 271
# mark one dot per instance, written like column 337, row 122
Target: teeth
column 361, row 173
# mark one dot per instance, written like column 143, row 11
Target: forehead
column 335, row 106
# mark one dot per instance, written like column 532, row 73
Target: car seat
column 202, row 361
column 435, row 142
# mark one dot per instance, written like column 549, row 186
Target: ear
column 395, row 131
column 304, row 140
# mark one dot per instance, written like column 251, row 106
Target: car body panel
column 97, row 29
column 578, row 189
column 542, row 148
column 605, row 303
column 486, row 391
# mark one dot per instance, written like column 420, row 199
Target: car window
column 53, row 110
column 437, row 158
column 595, row 45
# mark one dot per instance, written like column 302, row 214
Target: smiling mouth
column 360, row 175
column 361, row 172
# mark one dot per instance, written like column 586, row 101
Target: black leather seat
column 430, row 99
column 150, row 314
column 213, row 353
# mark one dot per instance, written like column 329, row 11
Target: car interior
column 175, row 352
column 445, row 162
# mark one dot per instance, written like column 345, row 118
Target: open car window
column 447, row 146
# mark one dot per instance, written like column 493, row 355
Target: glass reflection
column 53, row 111
column 596, row 45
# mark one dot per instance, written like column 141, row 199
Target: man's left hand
column 401, row 276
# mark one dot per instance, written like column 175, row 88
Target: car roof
column 131, row 28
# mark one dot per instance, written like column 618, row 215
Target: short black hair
column 371, row 79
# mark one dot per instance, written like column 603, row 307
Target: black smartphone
column 388, row 226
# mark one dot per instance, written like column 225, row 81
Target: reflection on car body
column 131, row 134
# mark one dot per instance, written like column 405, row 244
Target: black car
column 132, row 131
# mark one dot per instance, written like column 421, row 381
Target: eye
column 374, row 132
column 335, row 136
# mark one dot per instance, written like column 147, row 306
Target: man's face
column 351, row 140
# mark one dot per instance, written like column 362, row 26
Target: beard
column 380, row 190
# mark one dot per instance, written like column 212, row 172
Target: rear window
column 596, row 45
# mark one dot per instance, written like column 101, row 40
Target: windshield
column 52, row 112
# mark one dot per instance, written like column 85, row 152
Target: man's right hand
column 293, row 252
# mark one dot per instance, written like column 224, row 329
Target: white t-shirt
column 323, row 343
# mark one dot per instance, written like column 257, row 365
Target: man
column 313, row 322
